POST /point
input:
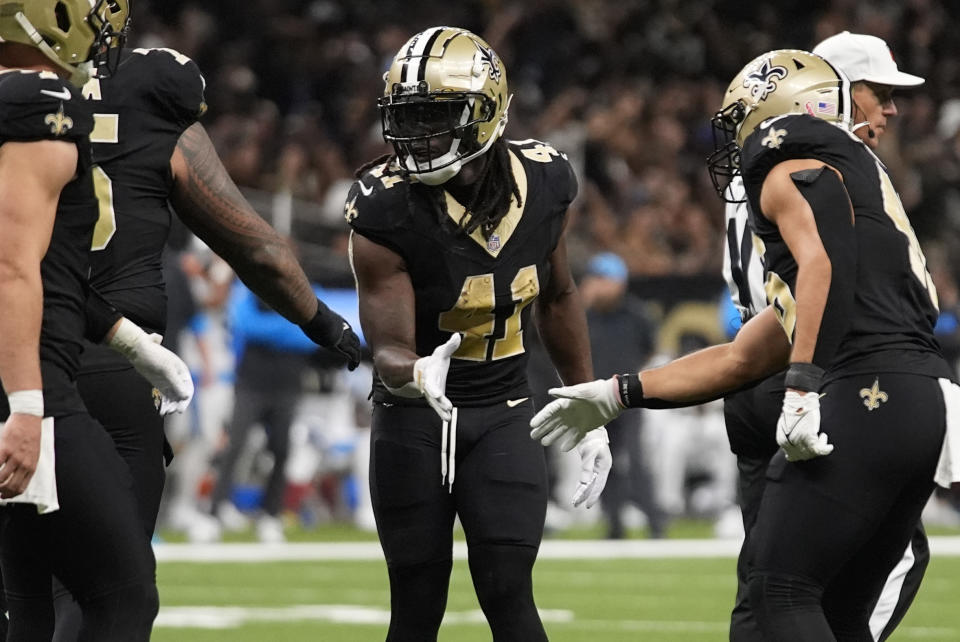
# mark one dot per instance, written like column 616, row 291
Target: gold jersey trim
column 508, row 224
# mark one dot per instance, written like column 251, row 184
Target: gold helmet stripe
column 414, row 56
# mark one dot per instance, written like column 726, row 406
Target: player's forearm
column 563, row 329
column 759, row 350
column 698, row 377
column 394, row 365
column 211, row 205
column 273, row 274
column 387, row 316
column 21, row 299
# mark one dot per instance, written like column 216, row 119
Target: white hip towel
column 42, row 489
column 948, row 467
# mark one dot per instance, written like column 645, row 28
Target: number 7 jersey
column 480, row 287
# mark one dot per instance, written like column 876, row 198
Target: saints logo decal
column 59, row 123
column 873, row 396
column 489, row 58
column 774, row 138
column 350, row 211
column 763, row 80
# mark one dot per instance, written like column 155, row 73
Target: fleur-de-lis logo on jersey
column 774, row 138
column 873, row 397
column 763, row 80
column 489, row 58
column 157, row 398
column 59, row 122
column 350, row 211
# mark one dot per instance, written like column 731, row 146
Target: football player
column 751, row 415
column 851, row 313
column 70, row 511
column 456, row 237
column 151, row 152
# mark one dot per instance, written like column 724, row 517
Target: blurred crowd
column 626, row 88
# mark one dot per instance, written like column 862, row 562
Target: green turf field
column 620, row 600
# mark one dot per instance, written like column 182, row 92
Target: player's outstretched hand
column 576, row 411
column 798, row 429
column 430, row 376
column 595, row 464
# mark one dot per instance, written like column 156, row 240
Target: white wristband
column 26, row 402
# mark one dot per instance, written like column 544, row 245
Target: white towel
column 948, row 468
column 42, row 489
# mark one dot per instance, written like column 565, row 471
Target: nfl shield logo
column 493, row 243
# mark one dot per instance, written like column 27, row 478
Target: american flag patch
column 829, row 109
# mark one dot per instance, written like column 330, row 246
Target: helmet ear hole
column 63, row 17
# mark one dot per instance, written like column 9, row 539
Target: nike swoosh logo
column 771, row 120
column 515, row 402
column 367, row 191
column 62, row 95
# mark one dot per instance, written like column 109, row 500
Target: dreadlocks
column 489, row 199
column 379, row 160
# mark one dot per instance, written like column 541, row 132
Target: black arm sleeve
column 100, row 316
column 833, row 213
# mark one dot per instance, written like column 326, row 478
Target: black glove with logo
column 328, row 329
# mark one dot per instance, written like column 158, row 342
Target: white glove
column 578, row 410
column 430, row 378
column 595, row 463
column 798, row 429
column 162, row 368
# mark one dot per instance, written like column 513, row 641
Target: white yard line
column 228, row 617
column 551, row 549
column 232, row 617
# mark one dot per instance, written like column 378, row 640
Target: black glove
column 328, row 329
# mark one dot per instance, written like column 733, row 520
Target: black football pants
column 94, row 544
column 124, row 404
column 500, row 496
column 751, row 418
column 829, row 530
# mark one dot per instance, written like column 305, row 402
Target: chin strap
column 78, row 74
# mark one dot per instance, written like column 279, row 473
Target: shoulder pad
column 550, row 167
column 378, row 199
column 173, row 84
column 788, row 137
column 39, row 105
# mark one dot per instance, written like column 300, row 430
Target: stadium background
column 626, row 89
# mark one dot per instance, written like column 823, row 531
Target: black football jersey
column 479, row 287
column 139, row 114
column 140, row 111
column 38, row 106
column 895, row 305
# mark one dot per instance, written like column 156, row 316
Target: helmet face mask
column 777, row 83
column 724, row 162
column 115, row 30
column 445, row 102
column 68, row 32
